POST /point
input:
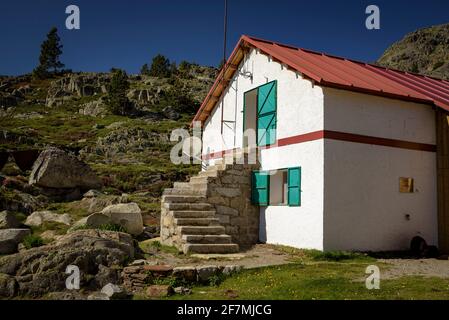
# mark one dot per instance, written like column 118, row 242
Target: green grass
column 303, row 255
column 317, row 281
column 104, row 227
column 150, row 246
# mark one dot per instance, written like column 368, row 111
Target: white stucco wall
column 363, row 208
column 300, row 227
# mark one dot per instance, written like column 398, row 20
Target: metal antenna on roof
column 225, row 30
column 224, row 62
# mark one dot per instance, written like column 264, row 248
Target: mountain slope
column 424, row 51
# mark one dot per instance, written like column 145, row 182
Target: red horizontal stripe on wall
column 350, row 137
column 340, row 136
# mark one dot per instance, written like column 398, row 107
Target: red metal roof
column 331, row 71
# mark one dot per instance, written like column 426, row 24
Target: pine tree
column 145, row 70
column 117, row 100
column 51, row 50
column 160, row 67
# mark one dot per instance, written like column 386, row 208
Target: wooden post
column 442, row 127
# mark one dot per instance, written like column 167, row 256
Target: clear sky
column 126, row 34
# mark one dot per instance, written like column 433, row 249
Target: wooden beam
column 443, row 179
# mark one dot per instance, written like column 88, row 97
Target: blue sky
column 126, row 34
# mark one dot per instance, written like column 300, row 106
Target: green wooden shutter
column 260, row 188
column 294, row 186
column 266, row 114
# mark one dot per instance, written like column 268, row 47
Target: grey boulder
column 8, row 220
column 57, row 169
column 36, row 219
column 127, row 215
column 113, row 291
column 10, row 239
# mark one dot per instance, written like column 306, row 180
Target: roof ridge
column 343, row 58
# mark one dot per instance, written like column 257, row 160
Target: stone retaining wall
column 230, row 193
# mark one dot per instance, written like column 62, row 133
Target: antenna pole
column 225, row 29
column 223, row 69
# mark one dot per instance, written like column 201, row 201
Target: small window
column 406, row 185
column 280, row 187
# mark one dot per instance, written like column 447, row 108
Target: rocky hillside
column 129, row 154
column 425, row 51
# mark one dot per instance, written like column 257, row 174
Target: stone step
column 187, row 206
column 185, row 185
column 210, row 248
column 197, row 222
column 201, row 230
column 207, row 239
column 208, row 173
column 183, row 198
column 193, row 214
column 201, row 180
column 185, row 192
column 198, row 187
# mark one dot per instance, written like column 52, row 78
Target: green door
column 266, row 114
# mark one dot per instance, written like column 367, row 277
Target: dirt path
column 258, row 256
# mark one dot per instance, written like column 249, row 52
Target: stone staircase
column 189, row 217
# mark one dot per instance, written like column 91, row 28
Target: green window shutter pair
column 261, row 187
column 266, row 114
column 294, row 186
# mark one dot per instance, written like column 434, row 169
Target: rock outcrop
column 99, row 255
column 57, row 169
column 424, row 51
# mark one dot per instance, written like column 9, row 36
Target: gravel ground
column 415, row 267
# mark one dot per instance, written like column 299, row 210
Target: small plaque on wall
column 406, row 185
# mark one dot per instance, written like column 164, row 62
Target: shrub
column 216, row 279
column 32, row 241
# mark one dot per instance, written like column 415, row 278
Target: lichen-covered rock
column 113, row 291
column 36, row 219
column 57, row 169
column 42, row 270
column 8, row 220
column 206, row 272
column 127, row 215
column 10, row 239
column 8, row 286
column 159, row 291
